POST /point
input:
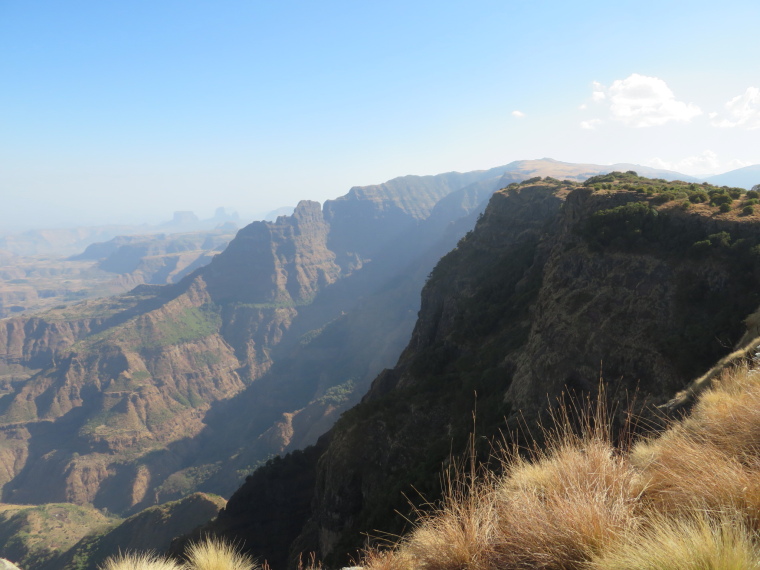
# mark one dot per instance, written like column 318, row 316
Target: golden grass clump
column 216, row 554
column 711, row 459
column 699, row 542
column 563, row 508
column 210, row 554
column 139, row 561
column 681, row 474
column 459, row 535
column 387, row 559
column 728, row 415
column 686, row 499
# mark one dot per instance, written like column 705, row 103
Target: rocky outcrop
column 283, row 263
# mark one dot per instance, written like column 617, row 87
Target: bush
column 663, row 197
column 629, row 226
column 724, row 207
column 717, row 199
column 748, row 210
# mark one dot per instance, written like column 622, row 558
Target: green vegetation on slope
column 32, row 536
column 150, row 530
column 177, row 327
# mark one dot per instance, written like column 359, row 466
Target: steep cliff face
column 557, row 286
column 136, row 392
column 292, row 261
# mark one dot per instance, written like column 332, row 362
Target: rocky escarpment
column 126, row 402
column 557, row 286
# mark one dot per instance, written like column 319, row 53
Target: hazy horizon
column 127, row 113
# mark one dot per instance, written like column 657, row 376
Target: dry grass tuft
column 710, row 460
column 210, row 554
column 562, row 509
column 681, row 474
column 387, row 559
column 695, row 543
column 459, row 535
column 728, row 415
column 139, row 561
column 688, row 499
column 216, row 554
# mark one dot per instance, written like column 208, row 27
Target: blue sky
column 126, row 111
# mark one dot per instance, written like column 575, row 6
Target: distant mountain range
column 71, row 241
column 746, row 177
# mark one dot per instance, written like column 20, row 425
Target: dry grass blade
column 139, row 561
column 460, row 535
column 216, row 554
column 561, row 510
column 694, row 543
column 688, row 499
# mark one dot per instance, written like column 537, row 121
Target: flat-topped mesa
column 282, row 262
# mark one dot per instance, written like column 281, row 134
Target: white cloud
column 643, row 101
column 518, row 114
column 598, row 93
column 590, row 124
column 706, row 163
column 744, row 111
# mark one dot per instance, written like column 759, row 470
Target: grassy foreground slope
column 687, row 499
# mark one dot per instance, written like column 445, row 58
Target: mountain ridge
column 548, row 285
column 129, row 376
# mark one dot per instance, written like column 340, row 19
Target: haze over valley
column 399, row 286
